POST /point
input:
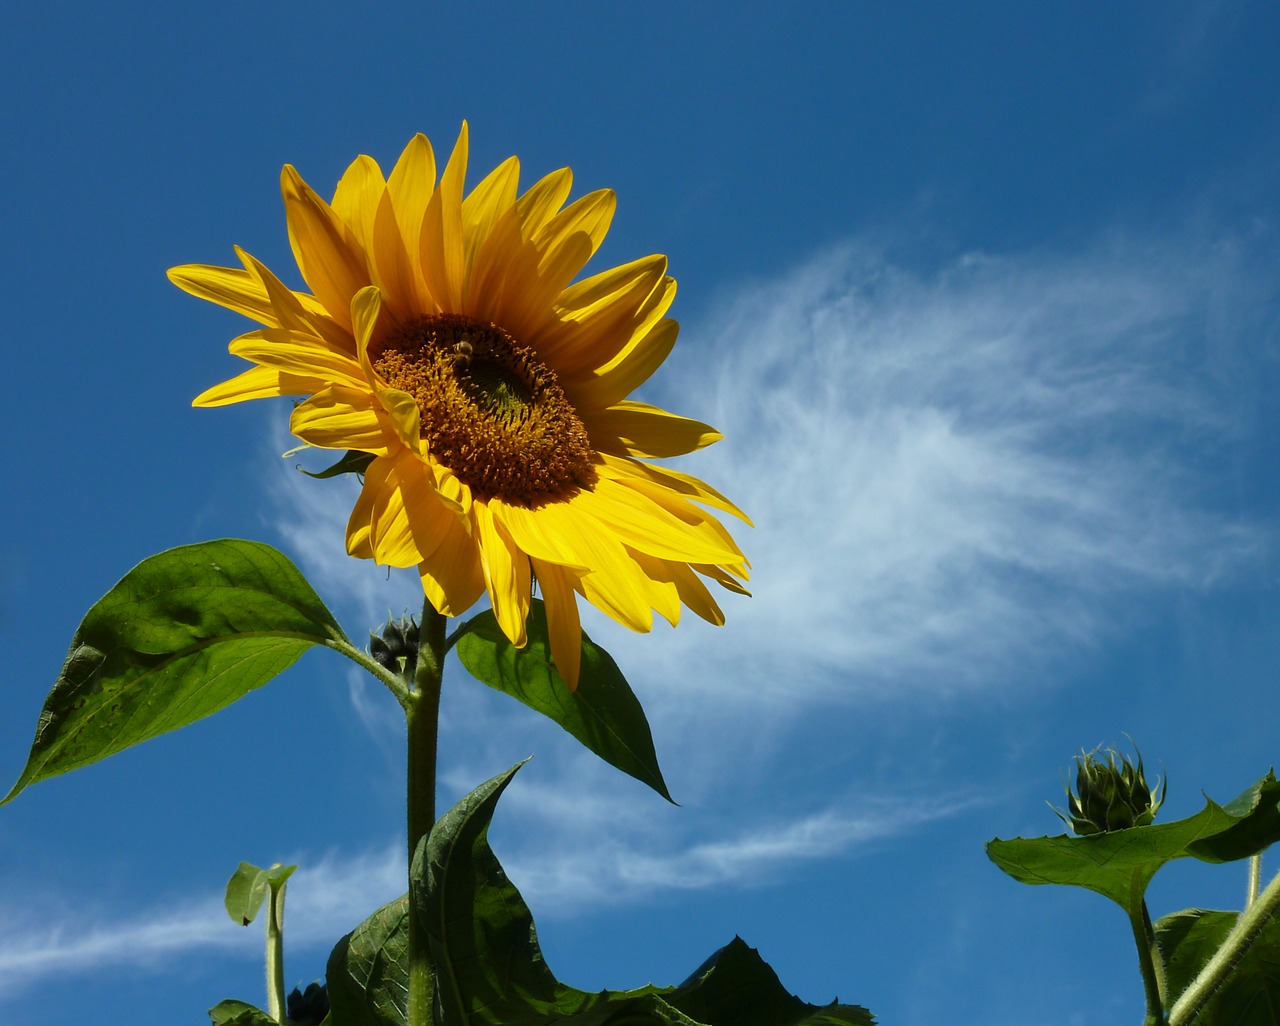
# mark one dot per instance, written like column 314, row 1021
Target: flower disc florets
column 489, row 410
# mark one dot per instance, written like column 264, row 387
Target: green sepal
column 368, row 970
column 490, row 970
column 238, row 1013
column 353, row 462
column 1250, row 993
column 1120, row 863
column 182, row 635
column 248, row 889
column 604, row 713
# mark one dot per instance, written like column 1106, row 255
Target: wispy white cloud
column 951, row 472
column 329, row 896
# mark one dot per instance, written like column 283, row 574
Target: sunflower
column 444, row 337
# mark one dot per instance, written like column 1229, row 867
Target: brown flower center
column 490, row 410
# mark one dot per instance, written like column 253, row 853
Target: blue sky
column 985, row 301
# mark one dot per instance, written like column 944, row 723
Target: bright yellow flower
column 443, row 337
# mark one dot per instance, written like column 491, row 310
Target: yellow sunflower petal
column 451, row 576
column 563, row 624
column 609, row 384
column 410, row 186
column 540, row 203
column 638, row 429
column 598, row 317
column 506, row 574
column 662, row 479
column 297, row 353
column 297, row 311
column 356, row 199
column 329, row 256
column 407, row 521
column 557, row 533
column 442, row 246
column 690, row 590
column 255, row 383
column 226, row 286
column 339, row 417
column 641, row 523
column 400, row 409
column 487, row 202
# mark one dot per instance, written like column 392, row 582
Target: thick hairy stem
column 422, row 714
column 1228, row 956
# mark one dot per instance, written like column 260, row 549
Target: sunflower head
column 446, row 335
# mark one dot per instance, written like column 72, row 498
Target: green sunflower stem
column 1149, row 959
column 422, row 714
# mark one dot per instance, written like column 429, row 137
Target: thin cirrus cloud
column 947, row 472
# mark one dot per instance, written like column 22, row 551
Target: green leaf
column 736, row 987
column 1121, row 863
column 1250, row 995
column 353, row 462
column 368, row 971
column 604, row 713
column 182, row 635
column 491, row 972
column 248, row 888
column 489, row 966
column 237, row 1013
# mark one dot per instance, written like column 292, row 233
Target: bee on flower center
column 462, row 355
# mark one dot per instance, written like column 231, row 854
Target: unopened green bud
column 1111, row 793
column 309, row 1007
column 396, row 648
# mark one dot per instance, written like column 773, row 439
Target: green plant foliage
column 368, row 971
column 237, row 1013
column 248, row 888
column 352, row 462
column 490, row 969
column 1120, row 863
column 1250, row 995
column 184, row 634
column 604, row 713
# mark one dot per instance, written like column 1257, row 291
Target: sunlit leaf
column 604, row 713
column 184, row 634
column 248, row 889
column 1121, row 863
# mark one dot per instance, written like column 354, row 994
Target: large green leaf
column 368, row 971
column 184, row 634
column 490, row 969
column 1121, row 863
column 1250, row 995
column 604, row 713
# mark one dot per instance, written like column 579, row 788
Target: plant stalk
column 275, row 954
column 1228, row 956
column 1150, row 962
column 422, row 716
column 1255, row 880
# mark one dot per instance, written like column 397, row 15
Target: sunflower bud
column 1111, row 794
column 308, row 1008
column 396, row 648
